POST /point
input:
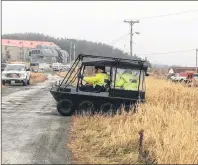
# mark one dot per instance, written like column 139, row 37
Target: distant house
column 181, row 69
column 16, row 49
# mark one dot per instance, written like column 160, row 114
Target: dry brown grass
column 37, row 78
column 61, row 74
column 169, row 120
column 15, row 62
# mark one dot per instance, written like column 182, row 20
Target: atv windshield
column 128, row 79
column 15, row 68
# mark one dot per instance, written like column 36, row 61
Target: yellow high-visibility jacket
column 98, row 79
column 125, row 82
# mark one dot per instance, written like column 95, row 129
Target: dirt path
column 32, row 130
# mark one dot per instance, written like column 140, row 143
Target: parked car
column 34, row 67
column 44, row 66
column 195, row 75
column 16, row 73
column 170, row 75
column 179, row 77
column 56, row 66
column 192, row 79
column 174, row 77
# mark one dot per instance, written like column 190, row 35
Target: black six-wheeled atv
column 70, row 98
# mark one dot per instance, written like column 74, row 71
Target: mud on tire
column 65, row 107
column 107, row 109
column 86, row 107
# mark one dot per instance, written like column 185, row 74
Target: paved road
column 32, row 130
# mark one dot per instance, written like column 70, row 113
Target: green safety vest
column 98, row 79
column 126, row 82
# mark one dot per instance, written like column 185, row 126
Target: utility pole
column 74, row 49
column 131, row 22
column 70, row 53
column 196, row 60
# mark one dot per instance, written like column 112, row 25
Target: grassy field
column 165, row 130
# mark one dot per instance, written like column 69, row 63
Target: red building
column 16, row 49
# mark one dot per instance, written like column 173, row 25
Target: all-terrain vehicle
column 72, row 99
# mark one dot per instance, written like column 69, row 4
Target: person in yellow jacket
column 127, row 81
column 97, row 81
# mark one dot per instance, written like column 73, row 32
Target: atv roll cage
column 65, row 93
column 105, row 61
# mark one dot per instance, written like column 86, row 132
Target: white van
column 56, row 66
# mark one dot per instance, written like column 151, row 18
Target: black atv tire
column 108, row 109
column 65, row 107
column 86, row 107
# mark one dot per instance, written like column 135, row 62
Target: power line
column 158, row 16
column 125, row 44
column 180, row 51
column 166, row 15
column 112, row 42
column 143, row 47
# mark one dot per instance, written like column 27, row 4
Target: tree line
column 82, row 46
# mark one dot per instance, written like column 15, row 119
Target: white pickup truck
column 178, row 78
column 16, row 73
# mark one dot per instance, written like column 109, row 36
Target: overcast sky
column 102, row 21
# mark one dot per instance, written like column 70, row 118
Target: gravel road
column 32, row 130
